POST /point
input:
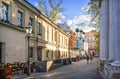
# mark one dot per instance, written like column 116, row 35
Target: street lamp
column 28, row 31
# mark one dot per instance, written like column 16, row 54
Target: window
column 62, row 39
column 48, row 33
column 31, row 52
column 55, row 36
column 47, row 54
column 58, row 38
column 51, row 54
column 4, row 12
column 31, row 22
column 20, row 18
column 52, row 35
column 66, row 42
column 39, row 28
column 39, row 53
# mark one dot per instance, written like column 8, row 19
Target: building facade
column 57, row 41
column 90, row 37
column 47, row 41
column 81, row 44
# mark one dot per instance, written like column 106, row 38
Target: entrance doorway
column 2, row 52
column 39, row 53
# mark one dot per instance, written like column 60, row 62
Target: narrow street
column 77, row 70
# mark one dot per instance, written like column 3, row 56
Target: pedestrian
column 87, row 58
column 91, row 57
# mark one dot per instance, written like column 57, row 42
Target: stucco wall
column 14, row 44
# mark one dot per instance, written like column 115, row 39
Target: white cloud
column 36, row 4
column 69, row 22
column 81, row 22
column 62, row 17
column 87, row 29
column 87, row 8
column 83, row 8
column 58, row 21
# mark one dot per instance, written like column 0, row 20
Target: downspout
column 37, row 40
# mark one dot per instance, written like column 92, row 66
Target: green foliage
column 94, row 9
column 97, row 38
column 43, row 8
column 76, row 30
column 72, row 39
column 81, row 31
column 52, row 9
column 83, row 40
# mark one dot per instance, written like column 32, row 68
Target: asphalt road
column 77, row 70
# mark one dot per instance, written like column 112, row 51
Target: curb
column 102, row 74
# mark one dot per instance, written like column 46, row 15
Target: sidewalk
column 77, row 70
column 32, row 76
column 102, row 74
column 24, row 76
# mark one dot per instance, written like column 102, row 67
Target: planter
column 6, row 73
column 43, row 66
column 57, row 61
column 74, row 59
column 65, row 62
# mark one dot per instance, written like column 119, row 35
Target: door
column 2, row 52
column 39, row 54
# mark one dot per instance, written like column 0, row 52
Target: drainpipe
column 37, row 40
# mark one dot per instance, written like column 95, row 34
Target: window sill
column 5, row 21
column 20, row 26
column 40, row 34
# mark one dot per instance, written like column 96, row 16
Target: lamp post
column 28, row 31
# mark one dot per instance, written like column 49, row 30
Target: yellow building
column 47, row 41
column 57, row 40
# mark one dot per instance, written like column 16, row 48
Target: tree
column 72, row 39
column 81, row 31
column 94, row 8
column 52, row 10
column 64, row 26
column 97, row 41
column 76, row 30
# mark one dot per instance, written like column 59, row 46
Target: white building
column 110, row 38
column 81, row 43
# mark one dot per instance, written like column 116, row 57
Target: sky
column 74, row 14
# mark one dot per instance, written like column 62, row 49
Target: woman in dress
column 91, row 57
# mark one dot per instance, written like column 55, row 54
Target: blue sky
column 73, row 7
column 74, row 14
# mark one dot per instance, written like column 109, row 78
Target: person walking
column 91, row 57
column 87, row 58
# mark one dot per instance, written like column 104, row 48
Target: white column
column 116, row 15
column 104, row 26
column 111, row 31
column 0, row 9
